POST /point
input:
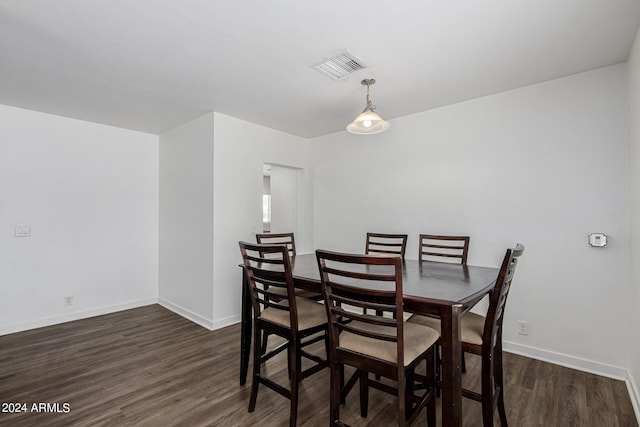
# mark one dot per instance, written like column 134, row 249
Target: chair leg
column 402, row 399
column 327, row 344
column 501, row 409
column 431, row 405
column 409, row 391
column 336, row 379
column 438, row 368
column 364, row 394
column 257, row 355
column 499, row 383
column 341, row 375
column 294, row 372
column 487, row 390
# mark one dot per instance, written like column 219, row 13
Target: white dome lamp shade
column 368, row 122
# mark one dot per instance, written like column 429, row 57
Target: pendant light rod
column 368, row 83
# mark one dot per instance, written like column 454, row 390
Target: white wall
column 186, row 220
column 90, row 194
column 240, row 149
column 634, row 113
column 543, row 165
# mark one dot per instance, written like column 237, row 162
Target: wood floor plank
column 150, row 367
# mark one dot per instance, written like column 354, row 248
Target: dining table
column 440, row 289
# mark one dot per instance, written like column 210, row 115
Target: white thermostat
column 598, row 240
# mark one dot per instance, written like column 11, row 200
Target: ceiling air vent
column 340, row 65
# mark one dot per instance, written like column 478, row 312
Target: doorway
column 281, row 198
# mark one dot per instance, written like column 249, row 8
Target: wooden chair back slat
column 432, row 247
column 287, row 239
column 386, row 244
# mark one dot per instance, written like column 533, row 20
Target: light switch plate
column 598, row 240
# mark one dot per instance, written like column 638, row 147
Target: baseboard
column 186, row 313
column 567, row 361
column 198, row 319
column 227, row 321
column 69, row 317
column 634, row 394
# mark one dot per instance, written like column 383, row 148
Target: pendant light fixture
column 368, row 122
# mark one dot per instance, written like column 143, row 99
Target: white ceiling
column 152, row 65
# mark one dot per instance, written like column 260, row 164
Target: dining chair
column 298, row 320
column 442, row 248
column 482, row 335
column 372, row 343
column 386, row 244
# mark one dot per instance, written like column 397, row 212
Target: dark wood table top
column 427, row 283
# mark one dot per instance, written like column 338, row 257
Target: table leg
column 450, row 367
column 245, row 330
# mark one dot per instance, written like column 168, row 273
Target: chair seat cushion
column 472, row 326
column 417, row 339
column 310, row 314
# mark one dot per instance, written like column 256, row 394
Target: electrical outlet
column 22, row 231
column 523, row 327
column 68, row 300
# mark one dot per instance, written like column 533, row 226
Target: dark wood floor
column 150, row 367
